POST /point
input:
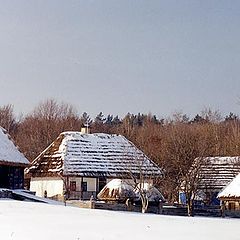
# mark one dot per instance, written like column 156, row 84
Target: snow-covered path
column 38, row 221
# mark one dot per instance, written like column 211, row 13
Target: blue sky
column 121, row 56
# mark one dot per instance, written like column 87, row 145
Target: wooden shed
column 81, row 164
column 12, row 163
column 230, row 195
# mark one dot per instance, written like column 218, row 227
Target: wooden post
column 81, row 188
column 92, row 202
column 66, row 190
column 222, row 208
column 160, row 207
column 96, row 188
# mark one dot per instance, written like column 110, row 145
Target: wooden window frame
column 73, row 186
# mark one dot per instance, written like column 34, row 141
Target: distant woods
column 173, row 143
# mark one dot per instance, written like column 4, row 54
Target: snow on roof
column 99, row 154
column 217, row 172
column 116, row 189
column 9, row 153
column 232, row 189
column 153, row 194
column 118, row 183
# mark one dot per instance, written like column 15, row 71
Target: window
column 84, row 186
column 101, row 183
column 72, row 185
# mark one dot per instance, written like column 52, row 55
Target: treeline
column 173, row 143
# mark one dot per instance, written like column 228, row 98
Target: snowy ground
column 38, row 221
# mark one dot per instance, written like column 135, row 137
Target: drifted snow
column 27, row 221
column 8, row 151
column 231, row 190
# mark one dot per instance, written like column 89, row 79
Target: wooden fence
column 164, row 209
column 167, row 209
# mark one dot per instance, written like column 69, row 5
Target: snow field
column 27, row 220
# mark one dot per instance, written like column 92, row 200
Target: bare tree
column 39, row 128
column 7, row 118
column 141, row 174
column 192, row 180
column 186, row 143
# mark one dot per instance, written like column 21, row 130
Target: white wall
column 53, row 186
column 91, row 184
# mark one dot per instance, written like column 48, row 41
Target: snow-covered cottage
column 230, row 195
column 216, row 174
column 81, row 164
column 12, row 163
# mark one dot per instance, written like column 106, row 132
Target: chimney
column 85, row 130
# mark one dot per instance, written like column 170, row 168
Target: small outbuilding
column 230, row 195
column 120, row 190
column 116, row 190
column 12, row 163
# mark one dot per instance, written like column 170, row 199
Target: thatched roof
column 93, row 155
column 218, row 172
column 9, row 152
column 116, row 190
column 153, row 194
column 120, row 190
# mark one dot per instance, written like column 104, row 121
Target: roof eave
column 14, row 164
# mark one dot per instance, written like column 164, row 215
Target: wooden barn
column 12, row 163
column 230, row 195
column 80, row 164
column 216, row 174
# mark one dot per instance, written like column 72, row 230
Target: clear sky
column 121, row 56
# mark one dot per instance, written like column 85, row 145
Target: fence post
column 92, row 202
column 160, row 207
column 222, row 209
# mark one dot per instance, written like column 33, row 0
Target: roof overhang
column 230, row 198
column 13, row 164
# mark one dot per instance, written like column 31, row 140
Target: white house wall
column 91, row 184
column 53, row 186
